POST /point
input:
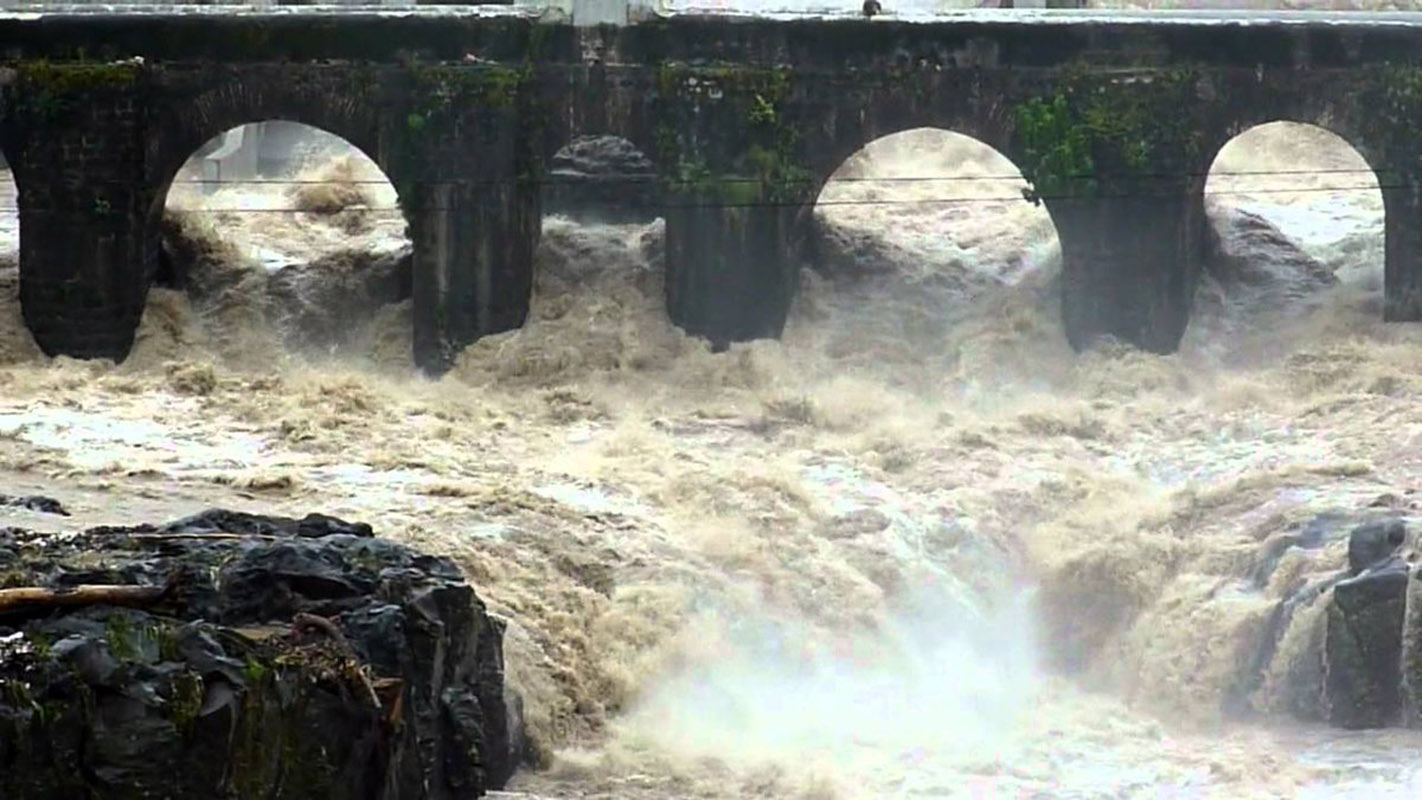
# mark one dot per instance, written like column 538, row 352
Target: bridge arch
column 1289, row 208
column 929, row 219
column 283, row 93
column 290, row 222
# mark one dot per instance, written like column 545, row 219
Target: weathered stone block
column 1363, row 648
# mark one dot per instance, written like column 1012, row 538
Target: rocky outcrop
column 234, row 655
column 1344, row 646
column 35, row 502
column 1362, row 647
column 602, row 179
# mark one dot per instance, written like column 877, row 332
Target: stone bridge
column 1115, row 120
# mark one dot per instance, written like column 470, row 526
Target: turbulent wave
column 917, row 548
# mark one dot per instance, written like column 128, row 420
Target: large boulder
column 1362, row 647
column 1246, row 251
column 235, row 655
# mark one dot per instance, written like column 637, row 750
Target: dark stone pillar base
column 1129, row 265
column 1402, row 270
column 472, row 266
column 732, row 271
column 83, row 283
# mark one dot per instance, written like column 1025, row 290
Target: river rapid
column 917, row 548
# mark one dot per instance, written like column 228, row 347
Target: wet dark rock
column 1374, row 541
column 44, row 505
column 1315, row 534
column 839, row 251
column 302, row 658
column 1363, row 647
column 1247, row 251
column 602, row 179
column 1343, row 669
column 219, row 520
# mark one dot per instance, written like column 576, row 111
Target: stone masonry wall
column 744, row 120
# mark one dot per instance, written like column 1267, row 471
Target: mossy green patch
column 765, row 163
column 186, row 701
column 1389, row 105
column 440, row 89
column 51, row 89
column 78, row 76
column 1097, row 128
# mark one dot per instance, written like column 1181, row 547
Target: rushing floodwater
column 848, row 564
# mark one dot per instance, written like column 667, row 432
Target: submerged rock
column 44, row 505
column 1333, row 649
column 248, row 656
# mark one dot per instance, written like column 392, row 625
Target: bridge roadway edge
column 745, row 118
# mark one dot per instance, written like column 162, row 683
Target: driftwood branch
column 217, row 537
column 83, row 595
column 305, row 623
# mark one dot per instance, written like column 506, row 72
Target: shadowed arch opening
column 914, row 232
column 16, row 343
column 1295, row 222
column 283, row 235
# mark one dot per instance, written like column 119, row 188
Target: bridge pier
column 731, row 269
column 83, row 280
column 1129, row 265
column 1402, row 265
column 472, row 266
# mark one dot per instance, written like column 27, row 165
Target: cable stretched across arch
column 285, row 238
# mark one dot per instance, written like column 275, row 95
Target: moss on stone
column 439, row 89
column 767, row 164
column 69, row 78
column 50, row 89
column 186, row 701
column 1097, row 128
column 120, row 637
column 1389, row 105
